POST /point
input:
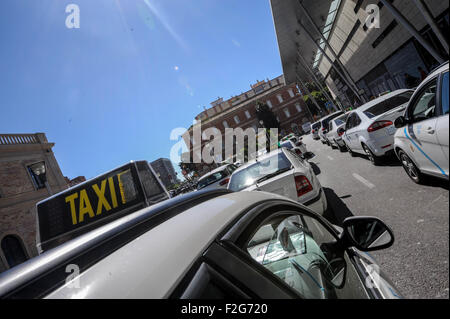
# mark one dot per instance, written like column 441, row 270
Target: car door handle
column 430, row 130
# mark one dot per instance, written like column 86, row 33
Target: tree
column 268, row 119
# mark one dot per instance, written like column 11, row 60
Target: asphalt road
column 418, row 214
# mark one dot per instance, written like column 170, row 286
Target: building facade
column 285, row 101
column 29, row 173
column 376, row 58
column 164, row 168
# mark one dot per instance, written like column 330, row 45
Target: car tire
column 376, row 160
column 410, row 168
column 341, row 148
column 349, row 150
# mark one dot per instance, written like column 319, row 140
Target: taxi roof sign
column 96, row 202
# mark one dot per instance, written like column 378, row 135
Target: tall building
column 373, row 58
column 164, row 168
column 29, row 173
column 285, row 101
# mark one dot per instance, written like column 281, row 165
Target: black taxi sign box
column 95, row 203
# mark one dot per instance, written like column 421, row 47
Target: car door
column 442, row 121
column 353, row 133
column 295, row 249
column 348, row 130
column 421, row 133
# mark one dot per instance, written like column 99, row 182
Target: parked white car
column 324, row 125
column 281, row 172
column 217, row 178
column 315, row 127
column 421, row 141
column 370, row 130
column 336, row 128
column 296, row 145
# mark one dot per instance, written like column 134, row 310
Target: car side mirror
column 400, row 122
column 367, row 233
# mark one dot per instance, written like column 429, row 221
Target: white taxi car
column 217, row 178
column 281, row 172
column 208, row 245
column 370, row 130
column 421, row 141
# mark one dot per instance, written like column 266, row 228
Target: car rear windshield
column 251, row 174
column 341, row 120
column 202, row 183
column 389, row 104
column 327, row 120
column 316, row 125
column 288, row 145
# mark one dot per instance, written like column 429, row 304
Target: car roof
column 329, row 115
column 369, row 104
column 147, row 265
column 152, row 265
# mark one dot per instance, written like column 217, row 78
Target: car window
column 349, row 123
column 424, row 106
column 315, row 126
column 389, row 104
column 356, row 120
column 202, row 183
column 248, row 176
column 297, row 249
column 444, row 94
column 330, row 127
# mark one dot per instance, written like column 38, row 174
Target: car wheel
column 349, row 150
column 341, row 148
column 373, row 158
column 410, row 168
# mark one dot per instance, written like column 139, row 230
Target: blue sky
column 113, row 90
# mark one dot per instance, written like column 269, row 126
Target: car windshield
column 388, row 104
column 259, row 171
column 202, row 183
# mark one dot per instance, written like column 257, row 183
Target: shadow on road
column 315, row 168
column 337, row 210
column 436, row 182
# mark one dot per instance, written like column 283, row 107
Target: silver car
column 281, row 172
column 217, row 178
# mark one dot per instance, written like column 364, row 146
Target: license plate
column 391, row 130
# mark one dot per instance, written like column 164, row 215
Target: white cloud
column 236, row 43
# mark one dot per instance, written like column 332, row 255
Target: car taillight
column 378, row 125
column 298, row 152
column 323, row 128
column 302, row 185
column 340, row 133
column 224, row 182
column 313, row 131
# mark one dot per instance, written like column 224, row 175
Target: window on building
column 298, row 107
column 269, row 104
column 287, row 113
column 225, row 124
column 38, row 174
column 13, row 250
column 280, row 98
column 236, row 119
column 247, row 114
column 291, row 93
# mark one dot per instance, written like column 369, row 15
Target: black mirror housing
column 367, row 233
column 400, row 122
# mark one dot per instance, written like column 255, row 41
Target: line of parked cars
column 413, row 124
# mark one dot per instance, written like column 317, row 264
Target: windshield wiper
column 278, row 172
